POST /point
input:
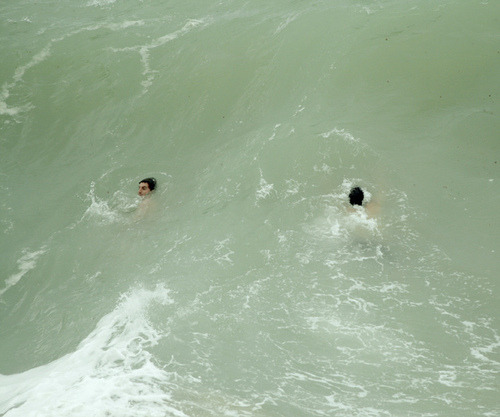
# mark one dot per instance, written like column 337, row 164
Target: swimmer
column 146, row 186
column 356, row 197
column 146, row 205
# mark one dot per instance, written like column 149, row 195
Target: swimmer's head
column 356, row 196
column 146, row 186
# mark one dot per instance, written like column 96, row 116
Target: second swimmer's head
column 356, row 196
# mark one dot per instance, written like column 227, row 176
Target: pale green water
column 247, row 289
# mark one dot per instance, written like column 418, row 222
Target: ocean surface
column 246, row 285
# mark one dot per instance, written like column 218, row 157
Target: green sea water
column 245, row 285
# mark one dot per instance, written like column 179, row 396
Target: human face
column 143, row 189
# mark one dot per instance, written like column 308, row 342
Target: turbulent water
column 245, row 285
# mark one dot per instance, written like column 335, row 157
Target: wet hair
column 151, row 182
column 356, row 196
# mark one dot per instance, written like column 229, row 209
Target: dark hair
column 356, row 196
column 151, row 182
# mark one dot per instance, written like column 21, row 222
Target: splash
column 109, row 211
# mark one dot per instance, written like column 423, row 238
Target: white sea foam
column 26, row 263
column 220, row 253
column 449, row 378
column 41, row 56
column 348, row 137
column 111, row 373
column 265, row 189
column 17, row 77
column 145, row 50
column 273, row 136
column 289, row 19
column 100, row 2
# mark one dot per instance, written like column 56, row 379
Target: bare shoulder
column 145, row 207
column 373, row 208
